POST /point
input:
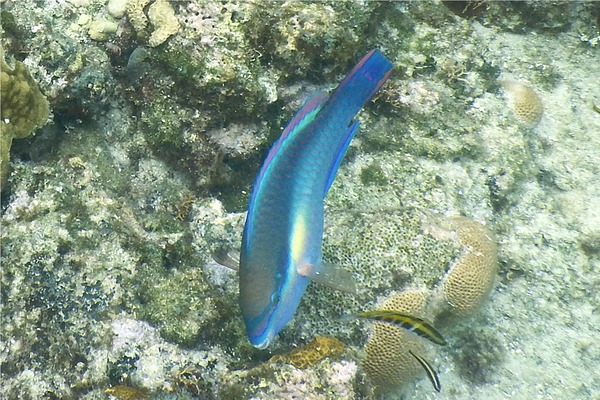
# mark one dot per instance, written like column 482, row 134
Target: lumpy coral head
column 469, row 282
column 388, row 363
column 23, row 108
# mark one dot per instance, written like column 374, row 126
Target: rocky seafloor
column 160, row 115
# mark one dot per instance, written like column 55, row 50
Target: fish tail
column 360, row 84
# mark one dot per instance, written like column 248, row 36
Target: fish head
column 268, row 304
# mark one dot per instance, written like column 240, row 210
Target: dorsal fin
column 304, row 116
column 352, row 129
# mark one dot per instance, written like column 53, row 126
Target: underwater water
column 469, row 197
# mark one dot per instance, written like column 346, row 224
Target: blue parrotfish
column 281, row 244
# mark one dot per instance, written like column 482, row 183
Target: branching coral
column 23, row 108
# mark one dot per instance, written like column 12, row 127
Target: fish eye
column 274, row 298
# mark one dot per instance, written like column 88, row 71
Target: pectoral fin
column 330, row 275
column 227, row 258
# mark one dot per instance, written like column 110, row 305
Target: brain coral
column 469, row 281
column 463, row 288
column 384, row 251
column 525, row 101
column 389, row 363
column 24, row 108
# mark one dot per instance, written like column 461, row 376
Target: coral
column 101, row 29
column 160, row 14
column 313, row 352
column 384, row 251
column 469, row 281
column 327, row 380
column 172, row 302
column 122, row 392
column 162, row 17
column 117, row 8
column 465, row 286
column 299, row 33
column 136, row 16
column 191, row 379
column 526, row 103
column 389, row 363
column 24, row 109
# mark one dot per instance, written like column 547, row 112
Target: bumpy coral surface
column 313, row 352
column 469, row 282
column 162, row 17
column 526, row 103
column 23, row 108
column 464, row 288
column 389, row 363
column 97, row 215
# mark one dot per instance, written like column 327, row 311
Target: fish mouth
column 260, row 342
column 263, row 345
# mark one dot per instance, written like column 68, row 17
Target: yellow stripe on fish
column 408, row 322
column 431, row 374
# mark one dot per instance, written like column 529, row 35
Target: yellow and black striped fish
column 431, row 374
column 408, row 322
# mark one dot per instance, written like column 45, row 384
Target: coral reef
column 162, row 17
column 112, row 212
column 122, row 392
column 102, row 29
column 312, row 352
column 136, row 16
column 24, row 109
column 464, row 288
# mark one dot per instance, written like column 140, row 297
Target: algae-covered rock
column 23, row 108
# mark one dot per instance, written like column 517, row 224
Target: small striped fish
column 431, row 374
column 408, row 322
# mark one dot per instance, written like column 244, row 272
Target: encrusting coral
column 313, row 352
column 23, row 108
column 162, row 17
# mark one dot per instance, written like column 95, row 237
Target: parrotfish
column 281, row 244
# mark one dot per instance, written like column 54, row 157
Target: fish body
column 431, row 374
column 281, row 244
column 409, row 322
